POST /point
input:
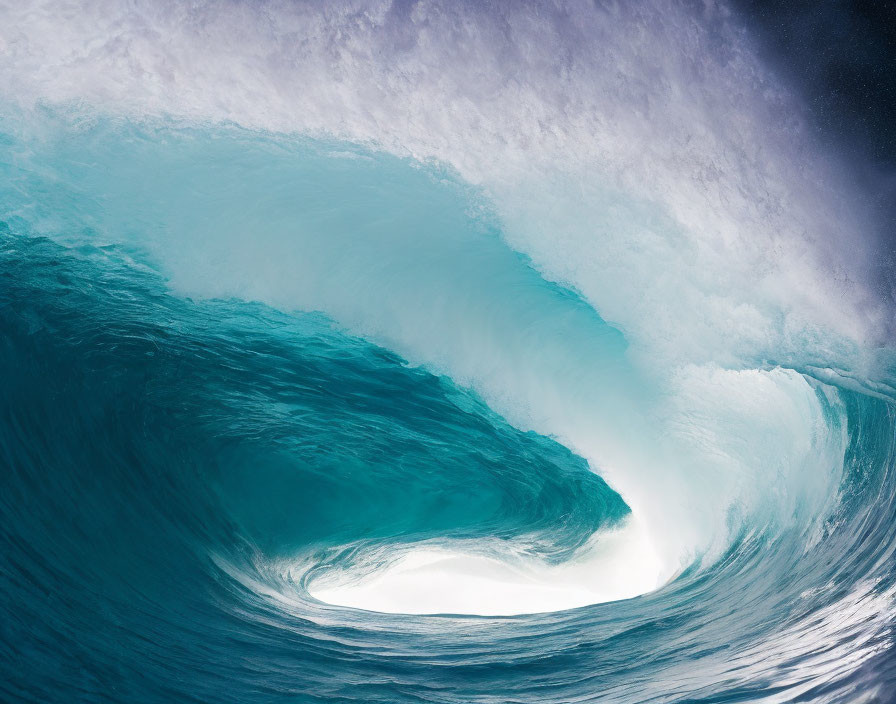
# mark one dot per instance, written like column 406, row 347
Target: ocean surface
column 434, row 352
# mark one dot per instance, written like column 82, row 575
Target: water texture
column 421, row 352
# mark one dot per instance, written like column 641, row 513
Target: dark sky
column 841, row 56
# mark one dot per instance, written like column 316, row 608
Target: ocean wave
column 405, row 352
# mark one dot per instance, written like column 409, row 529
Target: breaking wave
column 403, row 352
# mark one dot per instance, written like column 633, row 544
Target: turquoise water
column 237, row 366
column 252, row 382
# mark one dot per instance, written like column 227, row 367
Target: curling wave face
column 517, row 396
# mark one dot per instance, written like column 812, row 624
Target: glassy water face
column 342, row 365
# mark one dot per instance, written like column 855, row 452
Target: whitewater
column 396, row 351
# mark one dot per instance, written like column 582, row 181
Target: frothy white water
column 640, row 155
column 728, row 212
column 450, row 579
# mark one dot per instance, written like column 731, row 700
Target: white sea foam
column 729, row 213
column 453, row 579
